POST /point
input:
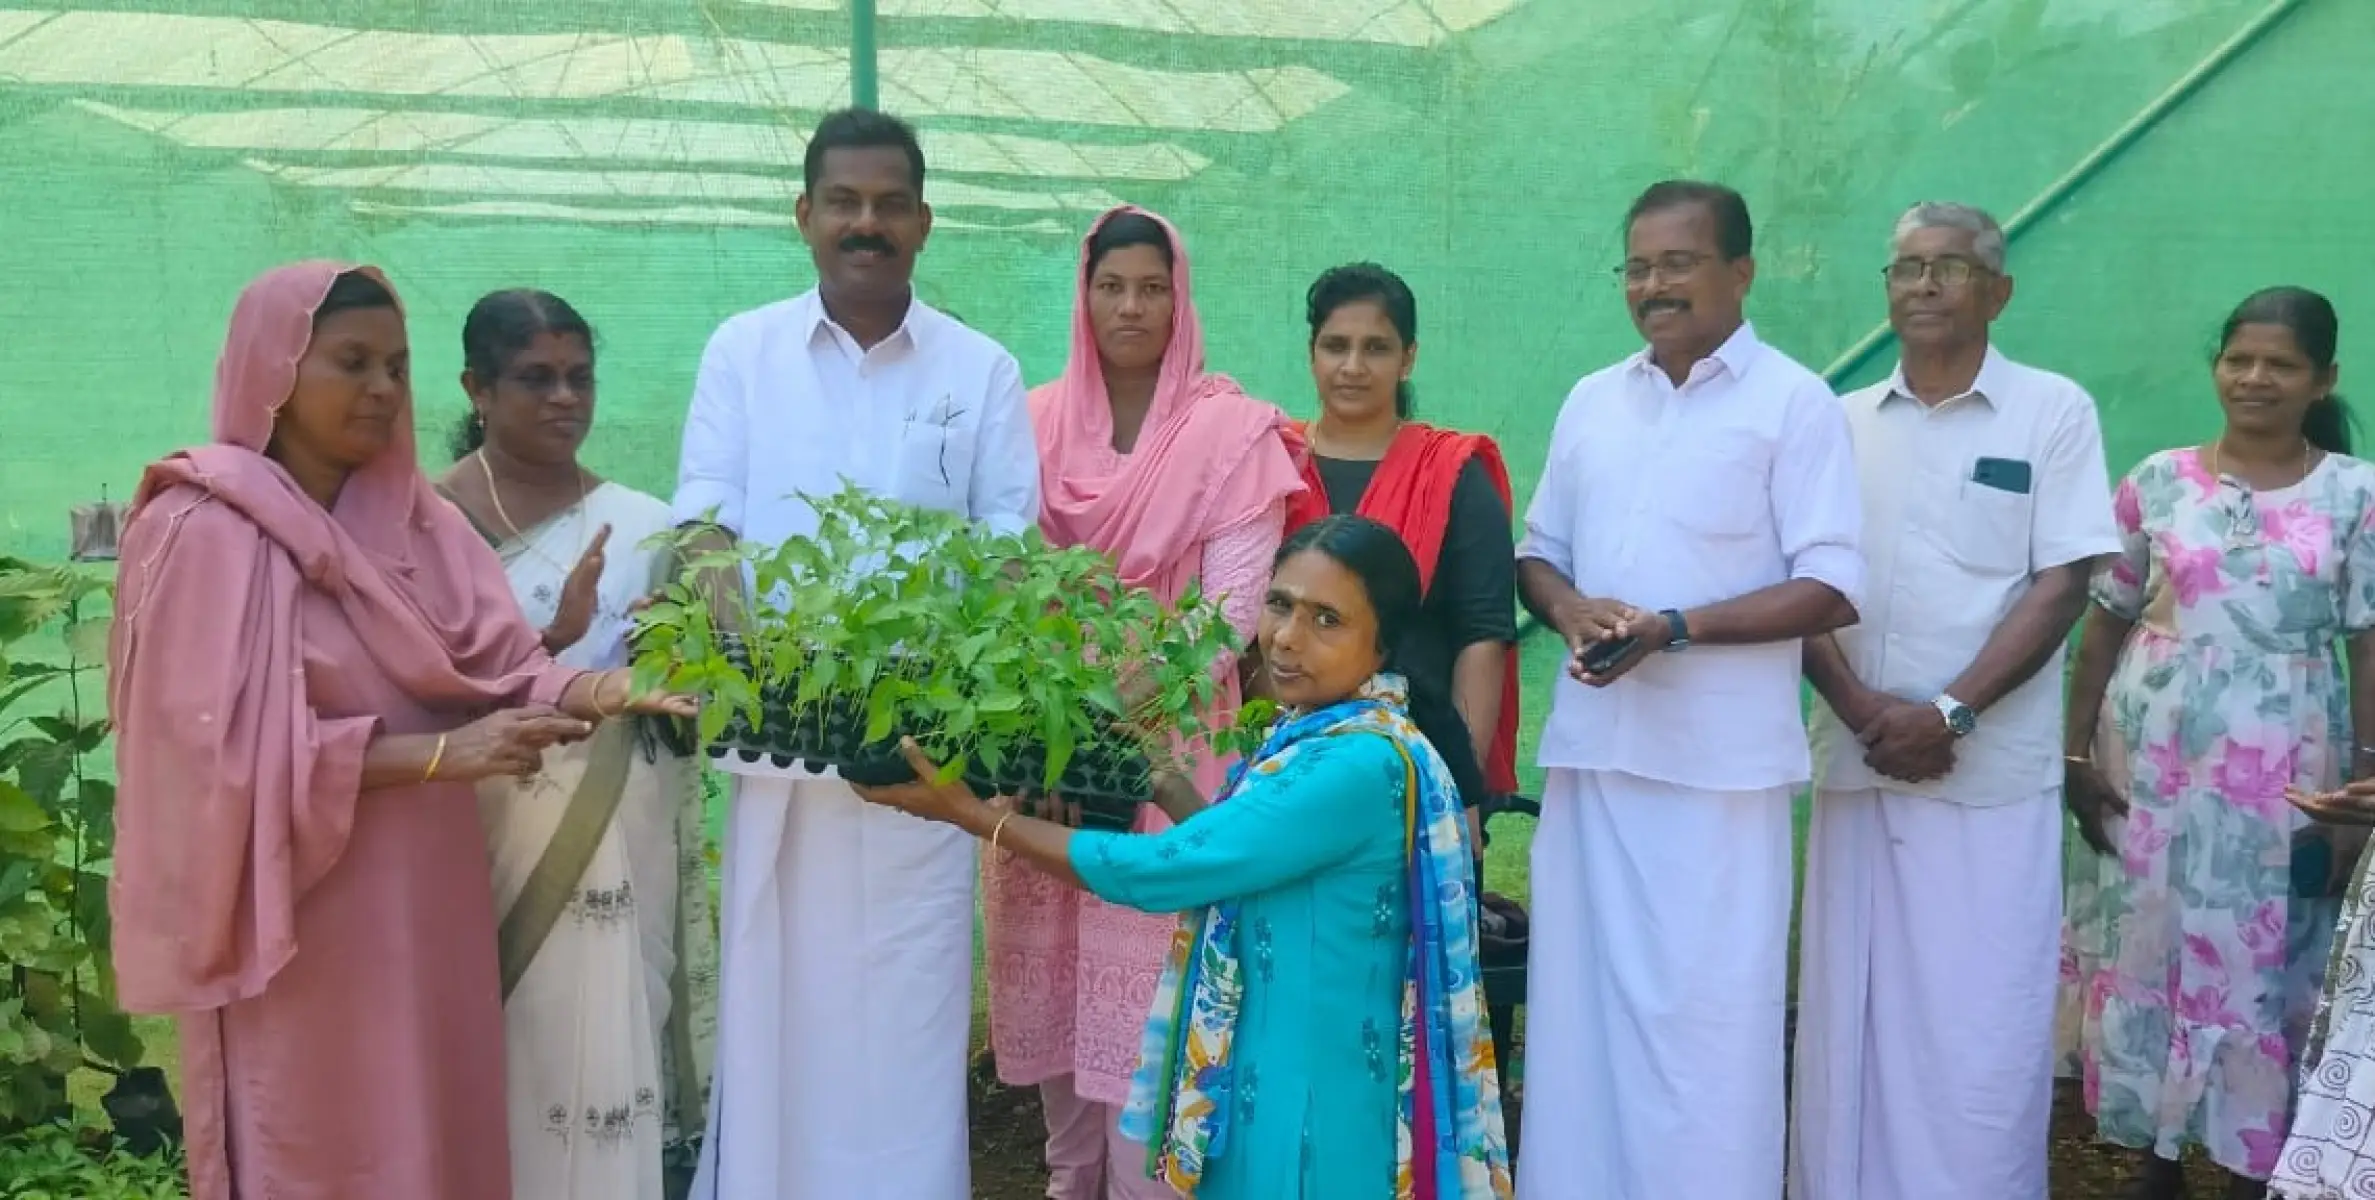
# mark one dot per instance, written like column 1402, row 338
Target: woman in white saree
column 609, row 951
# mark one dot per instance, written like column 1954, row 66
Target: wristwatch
column 1961, row 719
column 1678, row 635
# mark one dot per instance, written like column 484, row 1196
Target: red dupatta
column 1411, row 493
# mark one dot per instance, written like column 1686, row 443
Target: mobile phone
column 1599, row 656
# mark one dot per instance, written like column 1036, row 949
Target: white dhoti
column 846, row 1001
column 1655, row 990
column 1928, row 964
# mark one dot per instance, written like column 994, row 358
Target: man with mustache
column 1697, row 518
column 1932, row 928
column 847, row 929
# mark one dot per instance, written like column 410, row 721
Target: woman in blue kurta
column 1314, row 1024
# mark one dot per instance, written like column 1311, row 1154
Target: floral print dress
column 2190, row 972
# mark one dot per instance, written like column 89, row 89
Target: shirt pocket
column 935, row 455
column 1718, row 486
column 1984, row 530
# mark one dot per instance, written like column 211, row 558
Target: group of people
column 420, row 871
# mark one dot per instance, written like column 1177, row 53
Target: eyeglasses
column 1947, row 272
column 1677, row 266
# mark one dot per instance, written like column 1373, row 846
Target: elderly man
column 1697, row 518
column 1933, row 882
column 847, row 929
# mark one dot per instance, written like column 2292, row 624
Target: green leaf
column 19, row 811
column 882, row 711
column 87, row 640
column 109, row 1034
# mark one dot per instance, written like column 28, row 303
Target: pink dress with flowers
column 2190, row 971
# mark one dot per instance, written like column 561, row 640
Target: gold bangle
column 999, row 828
column 2082, row 760
column 596, row 701
column 436, row 757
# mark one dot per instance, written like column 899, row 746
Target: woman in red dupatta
column 1446, row 493
column 1182, row 478
column 313, row 659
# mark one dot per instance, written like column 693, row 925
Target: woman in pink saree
column 313, row 659
column 1182, row 478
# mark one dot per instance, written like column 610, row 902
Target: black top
column 1473, row 597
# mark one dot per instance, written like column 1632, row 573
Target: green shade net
column 641, row 157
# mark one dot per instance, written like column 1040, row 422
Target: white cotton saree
column 610, row 971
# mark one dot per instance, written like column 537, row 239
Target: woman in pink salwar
column 1182, row 478
column 314, row 658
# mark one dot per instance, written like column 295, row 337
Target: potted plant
column 1018, row 665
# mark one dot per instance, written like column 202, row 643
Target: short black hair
column 1735, row 234
column 861, row 129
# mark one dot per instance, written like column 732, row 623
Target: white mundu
column 1931, row 938
column 847, row 929
column 1661, row 870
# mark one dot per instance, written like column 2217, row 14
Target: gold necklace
column 496, row 494
column 2308, row 452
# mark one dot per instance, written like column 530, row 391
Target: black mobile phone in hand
column 1600, row 656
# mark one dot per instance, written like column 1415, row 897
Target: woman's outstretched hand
column 613, row 696
column 950, row 802
column 509, row 742
column 2351, row 804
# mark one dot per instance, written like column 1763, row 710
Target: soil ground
column 1007, row 1133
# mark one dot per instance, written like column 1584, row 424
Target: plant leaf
column 19, row 811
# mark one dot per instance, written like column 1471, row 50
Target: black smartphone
column 1599, row 656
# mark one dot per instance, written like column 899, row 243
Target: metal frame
column 864, row 81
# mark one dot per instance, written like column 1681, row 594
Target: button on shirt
column 1665, row 497
column 1952, row 538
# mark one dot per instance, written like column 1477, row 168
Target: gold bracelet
column 599, row 680
column 2082, row 760
column 434, row 759
column 999, row 828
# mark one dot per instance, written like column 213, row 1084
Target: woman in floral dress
column 2209, row 683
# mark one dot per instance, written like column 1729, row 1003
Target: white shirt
column 1662, row 498
column 787, row 402
column 1950, row 554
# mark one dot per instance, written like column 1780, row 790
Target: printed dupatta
column 1450, row 1100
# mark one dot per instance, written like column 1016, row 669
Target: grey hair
column 1987, row 237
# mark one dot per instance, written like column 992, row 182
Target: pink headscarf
column 1208, row 458
column 234, row 795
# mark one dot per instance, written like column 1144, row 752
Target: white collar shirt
column 1965, row 502
column 1666, row 497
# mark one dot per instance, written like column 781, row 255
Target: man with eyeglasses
column 1932, row 931
column 1697, row 518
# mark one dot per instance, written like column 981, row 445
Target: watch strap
column 1678, row 632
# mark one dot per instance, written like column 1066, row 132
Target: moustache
column 851, row 245
column 1647, row 307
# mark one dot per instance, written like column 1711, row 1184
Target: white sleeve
column 2070, row 516
column 1005, row 484
column 710, row 472
column 1818, row 505
column 1550, row 516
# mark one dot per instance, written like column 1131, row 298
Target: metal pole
column 2092, row 165
column 863, row 90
